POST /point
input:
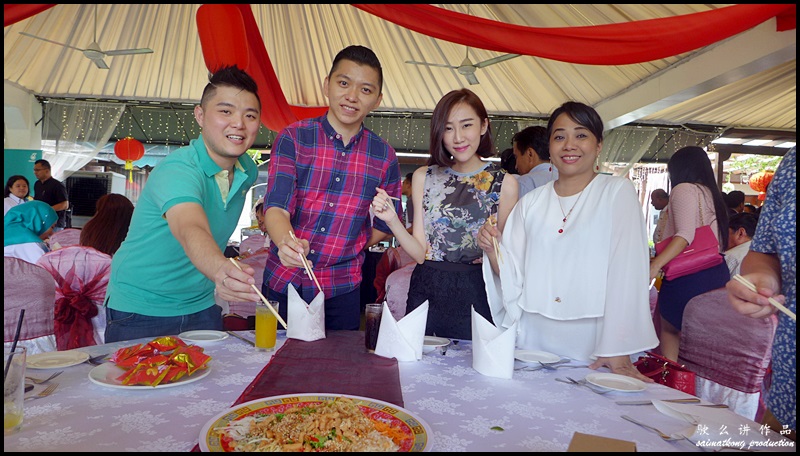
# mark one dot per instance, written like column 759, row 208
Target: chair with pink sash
column 257, row 261
column 251, row 244
column 28, row 286
column 81, row 276
column 729, row 352
column 397, row 290
column 65, row 238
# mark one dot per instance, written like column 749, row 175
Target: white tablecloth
column 460, row 405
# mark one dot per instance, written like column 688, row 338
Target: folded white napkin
column 306, row 321
column 402, row 339
column 492, row 347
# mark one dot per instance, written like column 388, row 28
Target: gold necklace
column 566, row 216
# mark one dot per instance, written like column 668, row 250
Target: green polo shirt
column 150, row 273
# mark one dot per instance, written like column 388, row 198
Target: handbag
column 701, row 254
column 666, row 372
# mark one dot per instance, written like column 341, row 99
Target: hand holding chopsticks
column 306, row 265
column 772, row 301
column 269, row 306
column 494, row 241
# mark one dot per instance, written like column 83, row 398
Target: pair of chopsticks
column 494, row 241
column 772, row 301
column 306, row 265
column 269, row 306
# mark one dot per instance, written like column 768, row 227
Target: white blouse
column 582, row 293
column 10, row 201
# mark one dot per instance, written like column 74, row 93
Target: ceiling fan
column 467, row 68
column 93, row 51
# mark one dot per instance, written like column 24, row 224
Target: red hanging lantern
column 130, row 150
column 760, row 181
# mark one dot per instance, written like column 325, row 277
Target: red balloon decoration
column 760, row 181
column 130, row 150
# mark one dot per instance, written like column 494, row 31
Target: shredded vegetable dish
column 338, row 425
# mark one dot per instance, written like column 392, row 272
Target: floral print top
column 456, row 205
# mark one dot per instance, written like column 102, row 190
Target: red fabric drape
column 15, row 13
column 229, row 34
column 612, row 44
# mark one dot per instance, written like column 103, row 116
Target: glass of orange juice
column 266, row 326
column 13, row 388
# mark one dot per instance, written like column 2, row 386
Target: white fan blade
column 129, row 51
column 100, row 63
column 51, row 41
column 471, row 78
column 499, row 59
column 430, row 64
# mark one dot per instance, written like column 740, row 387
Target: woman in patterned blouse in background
column 453, row 196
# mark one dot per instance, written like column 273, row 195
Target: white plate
column 106, row 375
column 432, row 342
column 616, row 382
column 201, row 336
column 533, row 356
column 56, row 360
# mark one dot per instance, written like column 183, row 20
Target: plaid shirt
column 327, row 188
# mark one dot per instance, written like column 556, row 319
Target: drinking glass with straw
column 14, row 343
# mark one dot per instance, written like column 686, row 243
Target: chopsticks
column 309, row 271
column 772, row 301
column 241, row 338
column 494, row 241
column 269, row 306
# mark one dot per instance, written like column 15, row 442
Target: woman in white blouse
column 17, row 192
column 574, row 256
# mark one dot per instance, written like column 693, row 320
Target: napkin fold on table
column 402, row 339
column 492, row 347
column 306, row 321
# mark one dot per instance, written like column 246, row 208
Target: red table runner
column 338, row 364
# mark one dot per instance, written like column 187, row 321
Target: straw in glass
column 13, row 344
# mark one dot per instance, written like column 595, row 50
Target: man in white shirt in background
column 741, row 229
column 532, row 152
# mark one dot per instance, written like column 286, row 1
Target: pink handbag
column 701, row 254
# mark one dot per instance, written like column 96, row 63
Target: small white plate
column 201, row 336
column 107, row 374
column 616, row 382
column 56, row 360
column 533, row 356
column 431, row 343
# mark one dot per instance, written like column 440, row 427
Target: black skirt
column 675, row 294
column 451, row 289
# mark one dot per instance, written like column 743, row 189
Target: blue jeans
column 127, row 326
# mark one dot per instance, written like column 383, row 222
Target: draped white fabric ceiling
column 747, row 81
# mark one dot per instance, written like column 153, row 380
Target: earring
column 551, row 166
column 597, row 164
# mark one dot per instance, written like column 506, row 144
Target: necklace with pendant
column 566, row 216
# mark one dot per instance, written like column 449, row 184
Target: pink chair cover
column 248, row 308
column 730, row 352
column 252, row 244
column 393, row 259
column 28, row 286
column 81, row 275
column 397, row 290
column 65, row 238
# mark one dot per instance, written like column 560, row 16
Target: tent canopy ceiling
column 746, row 82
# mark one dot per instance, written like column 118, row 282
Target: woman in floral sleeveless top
column 453, row 196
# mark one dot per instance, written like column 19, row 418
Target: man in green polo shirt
column 165, row 273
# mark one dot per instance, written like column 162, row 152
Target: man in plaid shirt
column 323, row 173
